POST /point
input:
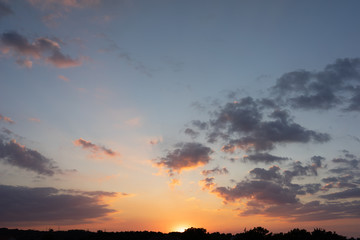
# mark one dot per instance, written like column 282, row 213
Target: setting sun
column 180, row 228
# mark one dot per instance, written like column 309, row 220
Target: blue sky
column 145, row 106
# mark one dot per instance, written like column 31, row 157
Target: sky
column 163, row 115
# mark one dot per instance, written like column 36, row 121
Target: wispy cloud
column 96, row 150
column 65, row 79
column 34, row 120
column 6, row 119
column 215, row 171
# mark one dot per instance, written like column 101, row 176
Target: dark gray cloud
column 51, row 205
column 313, row 211
column 272, row 174
column 217, row 170
column 270, row 193
column 349, row 193
column 193, row 134
column 336, row 85
column 185, row 156
column 5, row 10
column 242, row 126
column 12, row 153
column 263, row 158
column 41, row 49
column 266, row 192
column 200, row 125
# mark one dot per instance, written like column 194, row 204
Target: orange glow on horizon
column 180, row 228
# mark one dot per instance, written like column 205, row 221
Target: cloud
column 17, row 155
column 193, row 134
column 136, row 64
column 24, row 62
column 6, row 119
column 216, row 170
column 34, row 120
column 263, row 174
column 185, row 156
column 314, row 211
column 207, row 183
column 51, row 205
column 349, row 193
column 155, row 140
column 263, row 158
column 336, row 85
column 97, row 150
column 263, row 191
column 43, row 49
column 5, row 10
column 242, row 126
column 65, row 79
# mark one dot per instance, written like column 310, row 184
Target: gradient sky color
column 162, row 115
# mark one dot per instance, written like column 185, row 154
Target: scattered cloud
column 185, row 156
column 6, row 119
column 241, row 125
column 97, row 150
column 207, row 183
column 263, row 158
column 14, row 154
column 335, row 86
column 217, row 170
column 263, row 191
column 34, row 120
column 51, row 205
column 65, row 79
column 193, row 134
column 43, row 49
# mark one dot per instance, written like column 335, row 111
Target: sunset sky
column 161, row 115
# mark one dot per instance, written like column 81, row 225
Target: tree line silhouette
column 257, row 233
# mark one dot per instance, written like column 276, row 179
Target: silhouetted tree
column 194, row 234
column 298, row 234
column 257, row 233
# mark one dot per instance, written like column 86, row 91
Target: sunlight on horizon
column 180, row 228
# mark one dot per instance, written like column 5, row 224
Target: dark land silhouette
column 257, row 233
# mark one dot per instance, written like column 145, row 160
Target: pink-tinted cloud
column 97, row 150
column 6, row 119
column 41, row 49
column 34, row 120
column 207, row 183
column 51, row 4
column 64, row 78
